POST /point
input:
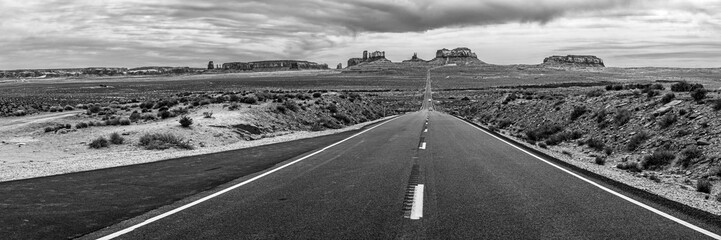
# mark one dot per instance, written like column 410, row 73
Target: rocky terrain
column 414, row 59
column 376, row 56
column 573, row 61
column 668, row 133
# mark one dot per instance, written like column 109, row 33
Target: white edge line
column 656, row 211
column 417, row 207
column 196, row 202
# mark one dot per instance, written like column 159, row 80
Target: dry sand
column 27, row 151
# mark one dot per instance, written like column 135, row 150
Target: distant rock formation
column 211, row 65
column 340, row 66
column 461, row 55
column 368, row 57
column 273, row 65
column 574, row 61
column 414, row 58
column 96, row 71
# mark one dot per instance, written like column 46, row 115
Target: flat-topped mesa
column 414, row 58
column 461, row 55
column 273, row 65
column 574, row 61
column 368, row 57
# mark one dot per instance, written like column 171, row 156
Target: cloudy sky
column 131, row 33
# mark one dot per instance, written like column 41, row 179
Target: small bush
column 560, row 137
column 543, row 132
column 342, row 117
column 81, row 125
column 698, row 94
column 100, row 142
column 600, row 161
column 281, row 109
column 161, row 141
column 658, row 159
column 703, row 185
column 135, row 116
column 124, row 121
column 637, row 140
column 94, row 109
column 689, row 154
column 49, row 129
column 317, row 94
column 630, row 166
column 185, row 121
column 291, row 105
column 577, row 112
column 504, row 123
column 595, row 93
column 685, row 87
column 595, row 144
column 667, row 120
column 608, row 151
column 542, row 145
column 654, row 178
column 208, row 114
column 652, row 93
column 601, row 116
column 668, row 98
column 164, row 114
column 116, row 139
column 716, row 104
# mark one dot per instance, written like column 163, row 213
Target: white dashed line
column 423, row 145
column 417, row 208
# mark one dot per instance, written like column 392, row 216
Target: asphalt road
column 472, row 186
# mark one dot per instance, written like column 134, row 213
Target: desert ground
column 49, row 126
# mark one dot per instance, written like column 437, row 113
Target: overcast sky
column 132, row 33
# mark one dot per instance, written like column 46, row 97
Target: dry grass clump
column 161, row 141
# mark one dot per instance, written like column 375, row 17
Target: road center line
column 425, row 130
column 624, row 197
column 417, row 209
column 423, row 145
column 206, row 198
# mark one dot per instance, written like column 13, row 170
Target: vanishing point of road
column 422, row 175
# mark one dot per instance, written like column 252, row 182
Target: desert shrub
column 99, row 142
column 342, row 117
column 113, row 122
column 698, row 94
column 667, row 120
column 116, row 139
column 652, row 93
column 135, row 116
column 180, row 111
column 69, row 108
column 249, row 100
column 504, row 123
column 577, row 112
column 542, row 145
column 608, row 150
column 595, row 144
column 124, row 121
column 658, row 159
column 49, row 129
column 600, row 161
column 465, row 99
column 493, row 128
column 291, row 105
column 543, row 132
column 622, row 117
column 685, row 87
column 689, row 154
column 637, row 140
column 81, row 125
column 704, row 185
column 207, row 114
column 149, row 117
column 164, row 114
column 185, row 121
column 233, row 98
column 654, row 178
column 668, row 97
column 94, row 109
column 162, row 141
column 601, row 115
column 332, row 108
column 630, row 166
column 560, row 137
column 204, row 102
column 716, row 104
column 595, row 93
column 317, row 94
column 281, row 108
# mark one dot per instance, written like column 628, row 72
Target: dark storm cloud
column 394, row 16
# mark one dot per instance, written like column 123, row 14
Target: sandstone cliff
column 414, row 58
column 574, row 61
column 461, row 55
